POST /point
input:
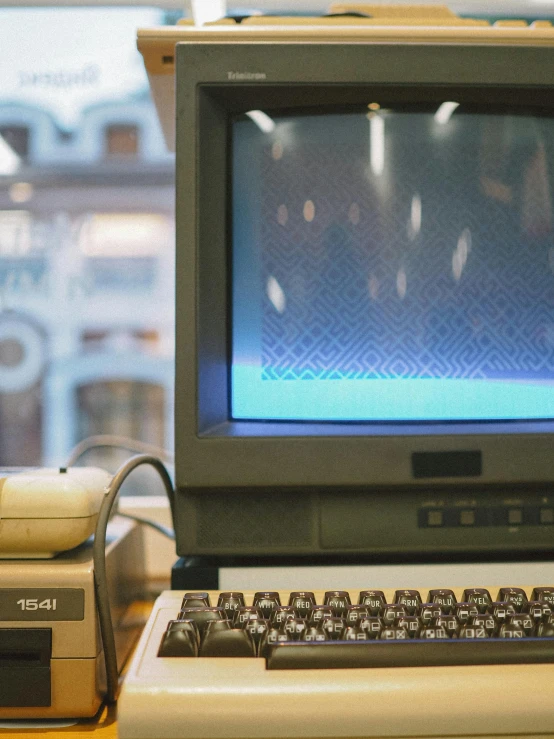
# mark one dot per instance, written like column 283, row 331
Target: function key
column 374, row 599
column 302, row 601
column 410, row 599
column 230, row 602
column 338, row 600
column 266, row 602
column 198, row 600
column 479, row 596
column 444, row 598
column 515, row 596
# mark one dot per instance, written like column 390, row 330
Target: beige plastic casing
column 226, row 698
column 45, row 511
column 77, row 660
column 419, row 24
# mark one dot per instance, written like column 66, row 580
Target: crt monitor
column 365, row 294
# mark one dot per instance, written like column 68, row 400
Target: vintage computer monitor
column 365, row 292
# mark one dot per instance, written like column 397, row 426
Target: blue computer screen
column 393, row 265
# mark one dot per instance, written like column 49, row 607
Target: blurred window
column 122, row 141
column 86, row 236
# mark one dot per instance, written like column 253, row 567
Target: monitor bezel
column 214, row 82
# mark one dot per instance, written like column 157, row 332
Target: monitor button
column 515, row 516
column 434, row 518
column 467, row 518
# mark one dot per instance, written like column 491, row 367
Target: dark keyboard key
column 338, row 600
column 354, row 633
column 539, row 610
column 282, row 614
column 320, row 613
column 372, row 625
column 392, row 612
column 294, row 628
column 510, row 631
column 502, row 611
column 473, row 632
column 355, row 614
column 409, row 653
column 201, row 616
column 374, row 600
column 443, row 598
column 266, row 602
column 333, row 627
column 484, row 621
column 258, row 631
column 395, row 633
column 433, row 632
column 428, row 612
column 515, row 596
column 523, row 621
column 545, row 594
column 410, row 599
column 245, row 614
column 302, row 602
column 227, row 643
column 546, row 629
column 465, row 611
column 479, row 596
column 185, row 625
column 230, row 602
column 448, row 623
column 199, row 600
column 314, row 632
column 412, row 624
column 178, row 643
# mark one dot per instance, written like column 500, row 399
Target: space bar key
column 409, row 653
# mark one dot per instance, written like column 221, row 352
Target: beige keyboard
column 359, row 663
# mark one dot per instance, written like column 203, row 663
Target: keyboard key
column 230, row 602
column 320, row 613
column 444, row 598
column 178, row 642
column 334, row 627
column 201, row 600
column 338, row 600
column 282, row 614
column 229, row 642
column 245, row 614
column 374, row 600
column 410, row 653
column 201, row 616
column 410, row 599
column 545, row 594
column 355, row 614
column 479, row 596
column 266, row 602
column 302, row 602
column 515, row 596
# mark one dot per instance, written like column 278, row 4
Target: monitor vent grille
column 236, row 520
